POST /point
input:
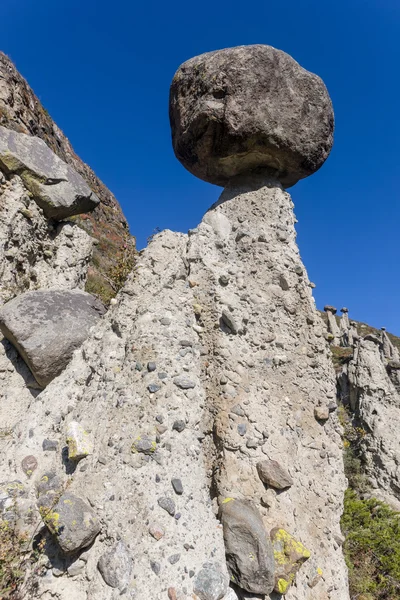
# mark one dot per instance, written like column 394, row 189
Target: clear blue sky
column 103, row 69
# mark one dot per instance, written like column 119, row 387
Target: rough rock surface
column 56, row 187
column 72, row 521
column 249, row 553
column 37, row 253
column 268, row 376
column 249, row 108
column 366, row 386
column 46, row 326
column 289, row 555
column 21, row 110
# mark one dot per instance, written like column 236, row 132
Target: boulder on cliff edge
column 46, row 326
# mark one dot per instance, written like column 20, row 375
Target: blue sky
column 103, row 71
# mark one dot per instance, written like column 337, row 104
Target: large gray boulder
column 72, row 521
column 249, row 553
column 56, row 187
column 46, row 326
column 249, row 108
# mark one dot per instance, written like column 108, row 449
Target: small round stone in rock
column 177, row 485
column 178, row 516
column 172, row 594
column 179, row 425
column 251, row 443
column 153, row 388
column 49, row 445
column 167, row 504
column 29, row 464
column 242, row 428
column 332, row 406
column 138, row 366
column 321, row 413
column 238, row 410
column 298, row 270
column 223, row 279
column 156, row 531
column 165, row 321
column 155, row 567
column 151, row 366
column 184, row 383
column 160, row 418
column 174, row 558
column 158, row 479
column 144, row 444
column 162, row 376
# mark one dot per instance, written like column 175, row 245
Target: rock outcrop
column 22, row 111
column 46, row 327
column 211, row 360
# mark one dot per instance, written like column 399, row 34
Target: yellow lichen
column 226, row 500
column 282, row 586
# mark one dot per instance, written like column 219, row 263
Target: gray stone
column 177, row 485
column 167, row 504
column 144, row 444
column 179, row 425
column 56, row 187
column 47, row 326
column 242, row 428
column 230, row 321
column 273, row 474
column 151, row 366
column 29, row 465
column 72, row 521
column 116, row 566
column 249, row 108
column 76, row 568
column 155, row 567
column 210, row 583
column 49, row 445
column 153, row 388
column 184, row 383
column 249, row 553
column 174, row 558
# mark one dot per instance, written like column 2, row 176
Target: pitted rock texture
column 56, row 187
column 46, row 326
column 249, row 108
column 366, row 386
column 35, row 252
column 267, row 377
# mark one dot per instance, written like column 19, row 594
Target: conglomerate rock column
column 251, row 119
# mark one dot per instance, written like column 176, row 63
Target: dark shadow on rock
column 70, row 465
column 21, row 368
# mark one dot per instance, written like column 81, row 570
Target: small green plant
column 372, row 548
column 12, row 547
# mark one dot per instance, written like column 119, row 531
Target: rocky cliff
column 21, row 111
column 186, row 444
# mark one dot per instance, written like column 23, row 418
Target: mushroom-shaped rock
column 249, row 553
column 56, row 187
column 330, row 309
column 46, row 326
column 289, row 556
column 246, row 109
column 72, row 521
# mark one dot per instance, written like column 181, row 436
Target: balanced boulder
column 46, row 326
column 246, row 109
column 56, row 187
column 249, row 553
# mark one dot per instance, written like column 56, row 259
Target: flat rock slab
column 46, row 326
column 249, row 553
column 56, row 187
column 249, row 108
